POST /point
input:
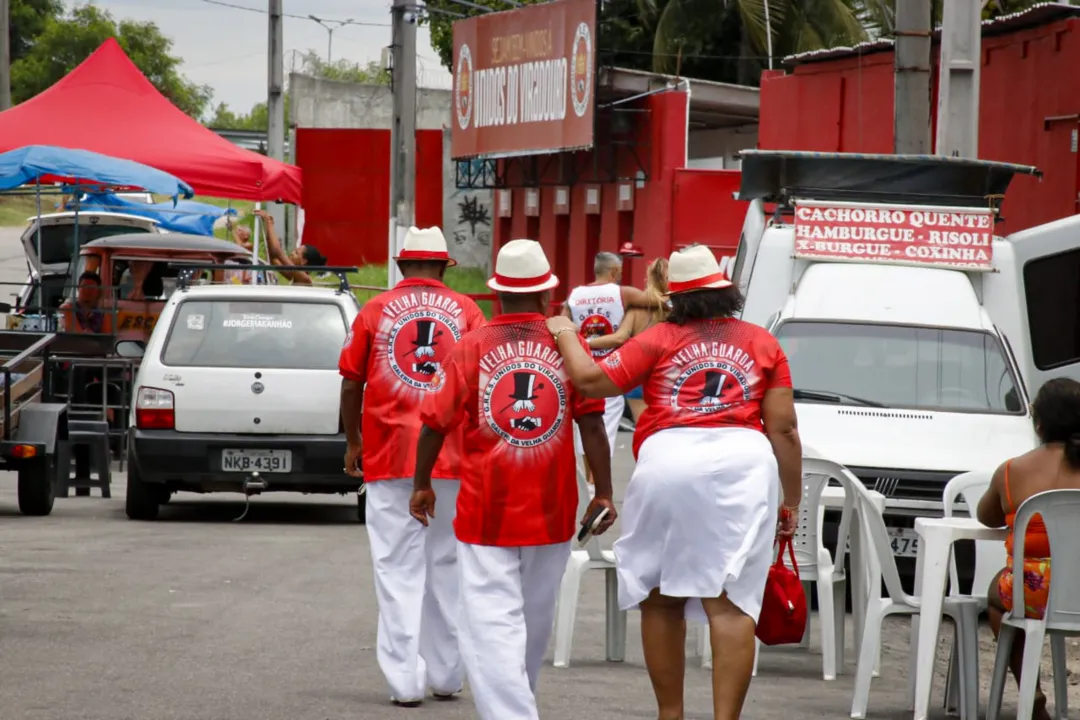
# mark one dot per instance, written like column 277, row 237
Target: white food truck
column 916, row 337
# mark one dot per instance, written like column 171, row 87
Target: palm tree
column 733, row 40
column 879, row 15
column 749, row 32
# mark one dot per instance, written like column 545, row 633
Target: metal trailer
column 33, row 431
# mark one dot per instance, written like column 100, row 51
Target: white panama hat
column 522, row 267
column 426, row 244
column 694, row 268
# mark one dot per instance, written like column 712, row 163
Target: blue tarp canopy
column 183, row 216
column 33, row 162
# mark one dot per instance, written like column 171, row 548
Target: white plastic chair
column 816, row 565
column 989, row 558
column 591, row 557
column 1060, row 512
column 962, row 611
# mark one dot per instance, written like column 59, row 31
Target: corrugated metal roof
column 784, row 175
column 1033, row 16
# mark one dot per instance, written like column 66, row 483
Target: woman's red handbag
column 783, row 607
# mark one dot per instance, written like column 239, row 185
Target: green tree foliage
column 28, row 19
column 724, row 40
column 312, row 64
column 258, row 119
column 66, row 40
column 344, row 70
column 442, row 14
column 880, row 15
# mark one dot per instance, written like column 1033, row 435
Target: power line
column 483, row 8
column 223, row 3
column 225, row 60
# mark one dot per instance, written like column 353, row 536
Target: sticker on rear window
column 196, row 322
column 257, row 321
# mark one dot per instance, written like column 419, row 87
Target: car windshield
column 58, row 241
column 256, row 334
column 899, row 366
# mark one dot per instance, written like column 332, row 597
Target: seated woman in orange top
column 1054, row 465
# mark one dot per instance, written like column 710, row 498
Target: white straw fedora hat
column 522, row 267
column 426, row 244
column 694, row 268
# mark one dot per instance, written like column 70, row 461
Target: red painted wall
column 672, row 208
column 347, row 190
column 706, row 211
column 1029, row 108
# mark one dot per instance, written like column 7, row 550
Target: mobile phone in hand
column 591, row 523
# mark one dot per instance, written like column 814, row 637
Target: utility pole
column 275, row 101
column 5, row 55
column 402, row 132
column 958, row 81
column 911, row 104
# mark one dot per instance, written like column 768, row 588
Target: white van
column 910, row 328
column 49, row 244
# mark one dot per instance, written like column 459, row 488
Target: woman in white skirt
column 715, row 442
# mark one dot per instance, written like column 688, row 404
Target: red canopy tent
column 106, row 105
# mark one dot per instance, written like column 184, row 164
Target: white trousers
column 613, row 412
column 416, row 585
column 508, row 597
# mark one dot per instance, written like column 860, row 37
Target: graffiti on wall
column 473, row 221
column 467, row 217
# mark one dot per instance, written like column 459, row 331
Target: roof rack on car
column 183, row 279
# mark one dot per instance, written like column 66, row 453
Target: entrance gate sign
column 524, row 80
column 951, row 237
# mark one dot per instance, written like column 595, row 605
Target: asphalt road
column 13, row 269
column 198, row 617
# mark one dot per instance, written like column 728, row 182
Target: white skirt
column 699, row 519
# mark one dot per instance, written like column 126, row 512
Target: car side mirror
column 5, row 307
column 130, row 349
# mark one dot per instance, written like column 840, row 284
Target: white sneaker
column 406, row 703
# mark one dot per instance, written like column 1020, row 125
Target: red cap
column 629, row 249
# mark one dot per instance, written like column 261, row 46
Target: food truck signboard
column 896, row 234
column 524, row 80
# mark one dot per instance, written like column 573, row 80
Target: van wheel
column 37, row 488
column 361, row 507
column 143, row 500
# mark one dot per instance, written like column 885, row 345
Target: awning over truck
column 780, row 175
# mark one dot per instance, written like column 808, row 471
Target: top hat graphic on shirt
column 714, row 381
column 425, row 338
column 524, row 393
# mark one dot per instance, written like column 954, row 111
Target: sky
column 225, row 47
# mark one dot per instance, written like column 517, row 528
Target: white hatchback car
column 238, row 391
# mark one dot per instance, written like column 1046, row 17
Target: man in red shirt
column 398, row 346
column 519, row 497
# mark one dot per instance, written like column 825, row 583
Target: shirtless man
column 299, row 257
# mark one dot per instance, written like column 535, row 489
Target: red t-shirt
column 398, row 345
column 519, row 475
column 709, row 373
